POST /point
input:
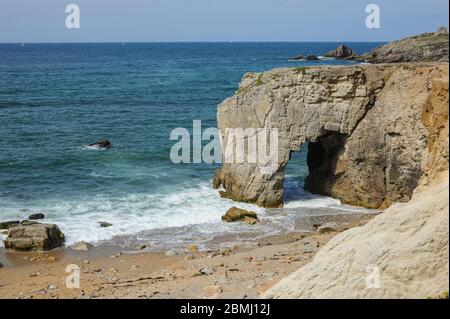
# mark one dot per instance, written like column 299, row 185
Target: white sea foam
column 133, row 213
column 93, row 148
column 197, row 207
column 2, row 238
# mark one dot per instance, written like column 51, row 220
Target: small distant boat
column 23, row 44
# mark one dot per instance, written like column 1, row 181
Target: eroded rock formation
column 371, row 137
column 431, row 46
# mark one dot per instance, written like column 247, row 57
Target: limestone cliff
column 373, row 131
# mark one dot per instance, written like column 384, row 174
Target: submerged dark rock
column 311, row 57
column 36, row 216
column 102, row 144
column 298, row 57
column 104, row 224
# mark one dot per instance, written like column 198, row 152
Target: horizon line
column 140, row 42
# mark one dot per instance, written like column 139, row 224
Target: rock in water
column 237, row 214
column 312, row 57
column 298, row 57
column 1, row 266
column 250, row 220
column 8, row 224
column 36, row 216
column 102, row 144
column 34, row 237
column 341, row 52
column 104, row 224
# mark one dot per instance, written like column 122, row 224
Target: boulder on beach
column 328, row 227
column 341, row 52
column 34, row 237
column 101, row 144
column 192, row 248
column 82, row 245
column 36, row 216
column 237, row 214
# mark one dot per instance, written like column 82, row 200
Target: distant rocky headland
column 430, row 46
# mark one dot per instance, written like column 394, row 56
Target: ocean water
column 57, row 98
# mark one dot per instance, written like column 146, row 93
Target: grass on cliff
column 301, row 69
column 259, row 80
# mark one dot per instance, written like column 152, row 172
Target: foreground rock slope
column 402, row 253
column 374, row 131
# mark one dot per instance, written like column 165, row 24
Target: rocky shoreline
column 244, row 270
column 426, row 47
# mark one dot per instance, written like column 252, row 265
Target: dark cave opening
column 313, row 168
column 322, row 158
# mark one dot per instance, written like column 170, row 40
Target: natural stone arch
column 376, row 163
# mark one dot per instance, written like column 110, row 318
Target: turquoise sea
column 57, row 98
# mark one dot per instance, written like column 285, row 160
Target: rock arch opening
column 314, row 167
column 322, row 160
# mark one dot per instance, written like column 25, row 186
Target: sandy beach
column 243, row 271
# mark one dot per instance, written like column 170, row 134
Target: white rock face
column 407, row 245
column 367, row 132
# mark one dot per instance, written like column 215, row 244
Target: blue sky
column 214, row 20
